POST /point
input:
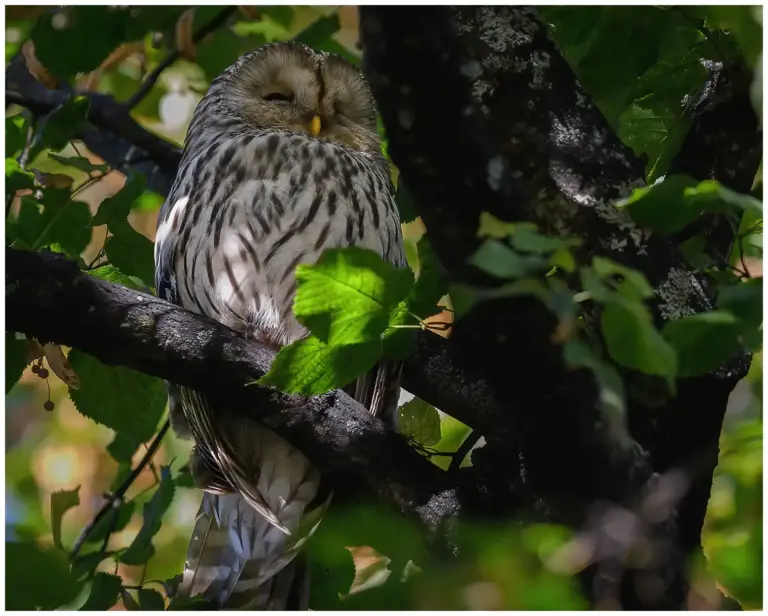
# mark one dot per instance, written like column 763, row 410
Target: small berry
column 42, row 373
column 48, row 406
column 35, row 368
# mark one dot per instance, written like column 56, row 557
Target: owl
column 282, row 160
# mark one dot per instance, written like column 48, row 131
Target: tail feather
column 239, row 560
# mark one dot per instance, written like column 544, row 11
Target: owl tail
column 239, row 560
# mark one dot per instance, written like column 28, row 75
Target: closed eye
column 279, row 96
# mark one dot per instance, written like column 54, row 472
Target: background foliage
column 60, row 196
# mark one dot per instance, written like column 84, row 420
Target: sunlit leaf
column 348, row 295
column 311, row 367
column 419, row 421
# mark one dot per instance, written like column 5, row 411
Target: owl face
column 288, row 86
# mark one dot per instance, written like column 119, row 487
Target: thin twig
column 120, row 492
column 466, row 446
column 152, row 78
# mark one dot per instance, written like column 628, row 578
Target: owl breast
column 248, row 210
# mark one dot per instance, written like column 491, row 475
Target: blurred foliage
column 60, row 196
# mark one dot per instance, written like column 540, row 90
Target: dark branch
column 120, row 326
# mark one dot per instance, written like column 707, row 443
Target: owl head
column 290, row 87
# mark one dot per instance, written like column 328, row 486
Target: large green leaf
column 311, row 367
column 348, row 295
column 60, row 36
column 117, row 397
column 132, row 253
column 672, row 204
column 634, row 342
column 55, row 220
column 16, row 178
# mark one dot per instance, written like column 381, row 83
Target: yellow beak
column 314, row 126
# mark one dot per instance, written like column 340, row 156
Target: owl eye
column 279, row 96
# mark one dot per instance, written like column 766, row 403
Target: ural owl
column 281, row 161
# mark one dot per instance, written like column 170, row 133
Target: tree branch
column 120, row 326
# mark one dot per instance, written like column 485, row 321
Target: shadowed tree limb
column 120, row 326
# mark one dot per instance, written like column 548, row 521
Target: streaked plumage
column 258, row 192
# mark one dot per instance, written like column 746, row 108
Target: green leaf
column 79, row 162
column 141, row 550
column 114, row 210
column 151, row 600
column 497, row 259
column 112, row 274
column 703, row 342
column 61, row 125
column 105, row 589
column 61, row 502
column 60, row 221
column 85, row 564
column 15, row 359
column 634, row 342
column 15, row 135
column 627, row 281
column 525, row 239
column 406, row 206
column 122, row 447
column 16, row 178
column 672, row 204
column 28, row 563
column 430, row 286
column 347, row 296
column 398, row 342
column 132, row 253
column 117, row 397
column 311, row 367
column 713, row 197
column 419, row 421
column 59, row 35
column 662, row 207
column 490, row 226
column 694, row 251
